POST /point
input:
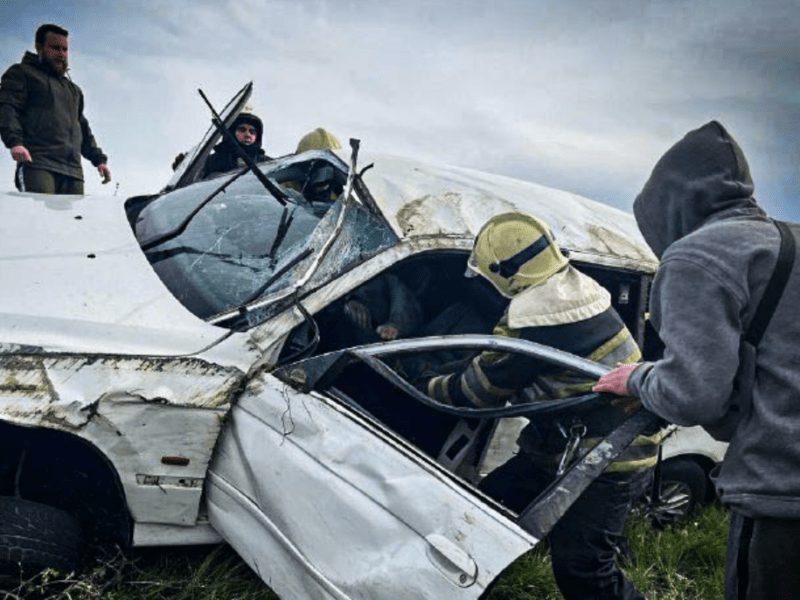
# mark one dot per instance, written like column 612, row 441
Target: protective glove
column 615, row 381
column 387, row 331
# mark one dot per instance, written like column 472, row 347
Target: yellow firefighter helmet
column 514, row 252
column 319, row 139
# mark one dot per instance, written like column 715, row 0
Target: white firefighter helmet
column 515, row 251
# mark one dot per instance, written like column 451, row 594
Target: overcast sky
column 583, row 96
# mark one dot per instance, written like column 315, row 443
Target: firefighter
column 552, row 303
column 318, row 139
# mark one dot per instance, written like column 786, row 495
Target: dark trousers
column 585, row 543
column 763, row 559
column 41, row 181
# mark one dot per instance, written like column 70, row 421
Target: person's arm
column 491, row 378
column 13, row 97
column 405, row 312
column 89, row 148
column 696, row 312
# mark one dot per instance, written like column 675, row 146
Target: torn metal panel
column 540, row 517
column 52, row 386
column 423, row 199
column 296, row 475
column 155, row 419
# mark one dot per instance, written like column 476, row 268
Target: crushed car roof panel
column 423, row 199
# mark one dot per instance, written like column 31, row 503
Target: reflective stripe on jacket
column 491, row 379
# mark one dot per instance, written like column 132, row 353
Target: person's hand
column 387, row 331
column 105, row 173
column 615, row 381
column 20, row 154
column 359, row 313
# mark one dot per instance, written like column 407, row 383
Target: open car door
column 323, row 497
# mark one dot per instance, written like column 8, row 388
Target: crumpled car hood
column 101, row 294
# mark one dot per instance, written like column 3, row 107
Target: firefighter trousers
column 586, row 543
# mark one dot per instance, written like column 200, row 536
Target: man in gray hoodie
column 718, row 250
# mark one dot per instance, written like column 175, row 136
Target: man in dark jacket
column 42, row 121
column 718, row 250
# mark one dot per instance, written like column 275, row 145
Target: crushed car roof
column 421, row 199
column 88, row 273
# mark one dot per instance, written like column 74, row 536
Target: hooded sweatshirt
column 718, row 250
column 43, row 111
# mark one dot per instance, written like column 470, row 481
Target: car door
column 326, row 500
column 324, row 504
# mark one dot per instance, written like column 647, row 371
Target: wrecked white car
column 173, row 371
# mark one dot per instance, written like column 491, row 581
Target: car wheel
column 34, row 536
column 684, row 486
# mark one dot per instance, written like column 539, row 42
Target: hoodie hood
column 702, row 175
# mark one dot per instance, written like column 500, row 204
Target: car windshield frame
column 304, row 245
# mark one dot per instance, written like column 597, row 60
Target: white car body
column 189, row 435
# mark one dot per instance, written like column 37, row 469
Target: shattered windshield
column 243, row 244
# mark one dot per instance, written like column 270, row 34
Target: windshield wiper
column 283, row 228
column 273, row 189
column 242, row 308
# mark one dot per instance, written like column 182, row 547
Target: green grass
column 686, row 562
column 678, row 563
column 198, row 573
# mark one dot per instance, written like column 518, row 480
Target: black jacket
column 43, row 111
column 225, row 158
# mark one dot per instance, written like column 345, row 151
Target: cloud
column 584, row 96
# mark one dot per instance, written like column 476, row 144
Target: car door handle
column 451, row 560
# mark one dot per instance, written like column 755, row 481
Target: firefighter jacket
column 43, row 111
column 570, row 312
